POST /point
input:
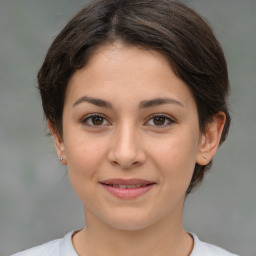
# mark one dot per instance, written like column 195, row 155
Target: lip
column 127, row 193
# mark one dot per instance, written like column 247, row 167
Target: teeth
column 131, row 186
column 127, row 186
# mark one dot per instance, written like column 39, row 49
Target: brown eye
column 159, row 120
column 95, row 120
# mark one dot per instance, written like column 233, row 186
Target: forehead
column 117, row 69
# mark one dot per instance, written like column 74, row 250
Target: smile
column 127, row 189
column 126, row 186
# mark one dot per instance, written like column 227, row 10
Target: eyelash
column 167, row 120
column 89, row 117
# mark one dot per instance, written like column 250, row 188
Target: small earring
column 204, row 157
column 61, row 158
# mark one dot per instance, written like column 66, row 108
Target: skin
column 127, row 142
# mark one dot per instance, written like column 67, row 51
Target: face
column 130, row 137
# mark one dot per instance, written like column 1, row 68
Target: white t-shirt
column 64, row 247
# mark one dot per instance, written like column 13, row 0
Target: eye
column 95, row 120
column 160, row 120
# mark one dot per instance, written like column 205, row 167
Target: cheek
column 84, row 156
column 175, row 158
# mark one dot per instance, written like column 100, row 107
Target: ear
column 210, row 140
column 59, row 144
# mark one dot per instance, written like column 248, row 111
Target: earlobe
column 209, row 142
column 59, row 144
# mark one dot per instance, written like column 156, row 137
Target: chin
column 130, row 221
column 129, row 225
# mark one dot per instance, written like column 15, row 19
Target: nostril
column 135, row 163
column 115, row 163
column 126, row 158
column 126, row 165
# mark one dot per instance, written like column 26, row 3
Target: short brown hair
column 181, row 35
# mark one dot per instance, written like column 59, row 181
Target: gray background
column 37, row 203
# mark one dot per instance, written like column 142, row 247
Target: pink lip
column 127, row 193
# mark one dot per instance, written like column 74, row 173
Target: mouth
column 127, row 189
column 126, row 186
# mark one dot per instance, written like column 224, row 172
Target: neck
column 163, row 238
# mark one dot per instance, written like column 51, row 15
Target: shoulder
column 58, row 247
column 51, row 248
column 205, row 249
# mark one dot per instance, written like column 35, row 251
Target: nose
column 126, row 149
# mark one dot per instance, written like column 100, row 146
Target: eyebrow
column 143, row 104
column 159, row 101
column 94, row 101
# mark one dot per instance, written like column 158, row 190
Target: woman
column 134, row 93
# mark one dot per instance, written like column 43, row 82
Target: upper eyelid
column 168, row 117
column 86, row 117
column 163, row 115
column 170, row 121
column 92, row 115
